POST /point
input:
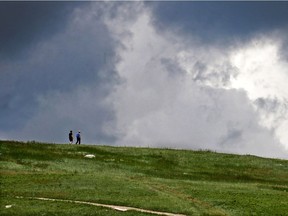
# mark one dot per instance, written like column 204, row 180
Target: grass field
column 175, row 181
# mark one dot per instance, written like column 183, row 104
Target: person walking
column 71, row 137
column 78, row 137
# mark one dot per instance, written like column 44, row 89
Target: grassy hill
column 175, row 181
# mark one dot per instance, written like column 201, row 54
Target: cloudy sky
column 185, row 75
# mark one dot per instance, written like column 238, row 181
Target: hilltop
column 165, row 180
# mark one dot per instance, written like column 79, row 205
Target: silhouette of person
column 71, row 137
column 78, row 137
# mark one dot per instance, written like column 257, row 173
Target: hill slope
column 176, row 181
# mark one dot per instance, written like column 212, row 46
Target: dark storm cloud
column 61, row 55
column 24, row 23
column 216, row 21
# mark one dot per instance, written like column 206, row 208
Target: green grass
column 176, row 181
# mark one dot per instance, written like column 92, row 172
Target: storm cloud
column 23, row 24
column 64, row 62
column 158, row 74
column 221, row 22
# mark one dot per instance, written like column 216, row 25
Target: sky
column 182, row 75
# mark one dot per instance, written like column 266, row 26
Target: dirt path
column 118, row 208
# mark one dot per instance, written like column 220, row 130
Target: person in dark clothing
column 71, row 137
column 78, row 137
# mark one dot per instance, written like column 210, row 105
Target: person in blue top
column 78, row 138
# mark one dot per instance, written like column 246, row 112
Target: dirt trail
column 115, row 207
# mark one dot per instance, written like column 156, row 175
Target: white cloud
column 263, row 74
column 261, row 71
column 180, row 95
